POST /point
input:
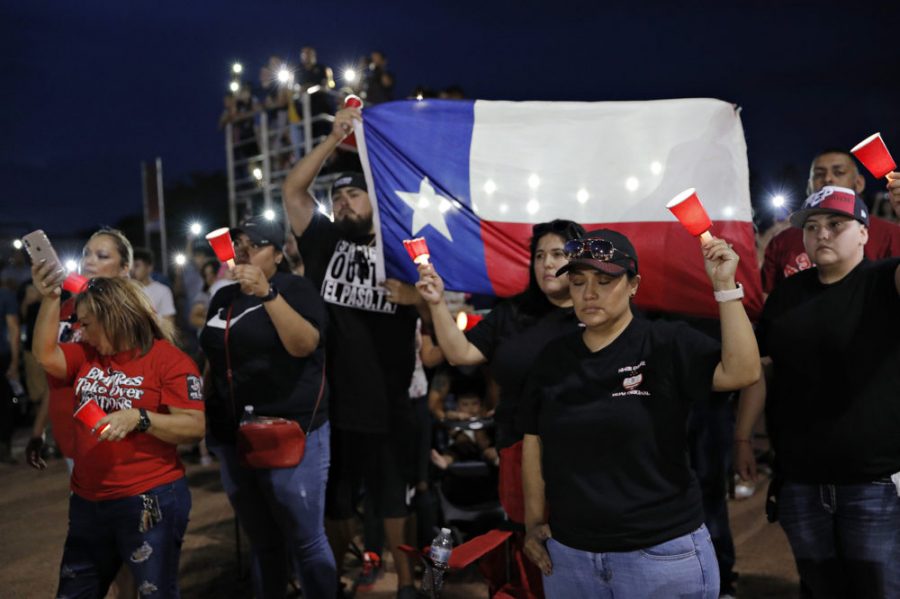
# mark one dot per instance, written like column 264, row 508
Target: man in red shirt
column 785, row 254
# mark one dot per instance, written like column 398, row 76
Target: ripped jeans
column 104, row 534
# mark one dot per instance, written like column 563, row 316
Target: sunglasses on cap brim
column 598, row 249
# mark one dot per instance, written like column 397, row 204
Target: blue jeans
column 683, row 567
column 282, row 511
column 845, row 538
column 104, row 534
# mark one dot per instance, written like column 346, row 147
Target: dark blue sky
column 92, row 89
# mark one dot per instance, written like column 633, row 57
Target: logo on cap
column 343, row 181
column 819, row 197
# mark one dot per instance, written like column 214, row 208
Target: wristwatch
column 273, row 293
column 143, row 421
column 730, row 294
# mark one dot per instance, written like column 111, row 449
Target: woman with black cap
column 604, row 417
column 264, row 339
column 829, row 337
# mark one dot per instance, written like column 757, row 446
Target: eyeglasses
column 598, row 249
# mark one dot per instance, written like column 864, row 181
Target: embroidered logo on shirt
column 218, row 321
column 633, row 379
column 194, row 387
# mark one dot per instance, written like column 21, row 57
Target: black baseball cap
column 357, row 180
column 832, row 200
column 605, row 250
column 261, row 231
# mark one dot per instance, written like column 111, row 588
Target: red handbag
column 268, row 442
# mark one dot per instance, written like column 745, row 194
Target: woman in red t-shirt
column 130, row 500
column 107, row 253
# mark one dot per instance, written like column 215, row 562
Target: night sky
column 90, row 89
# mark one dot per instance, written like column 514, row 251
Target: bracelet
column 730, row 294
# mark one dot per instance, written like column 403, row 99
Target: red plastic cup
column 874, row 155
column 417, row 249
column 220, row 240
column 90, row 413
column 353, row 101
column 75, row 283
column 690, row 213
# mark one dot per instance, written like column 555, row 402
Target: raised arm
column 739, row 366
column 45, row 344
column 457, row 349
column 299, row 204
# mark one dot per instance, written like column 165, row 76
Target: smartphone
column 39, row 248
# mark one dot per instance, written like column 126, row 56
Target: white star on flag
column 428, row 209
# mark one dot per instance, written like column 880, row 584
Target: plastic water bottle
column 441, row 548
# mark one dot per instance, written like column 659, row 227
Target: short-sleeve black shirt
column 511, row 343
column 265, row 375
column 834, row 400
column 371, row 342
column 613, row 429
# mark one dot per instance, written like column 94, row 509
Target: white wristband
column 730, row 294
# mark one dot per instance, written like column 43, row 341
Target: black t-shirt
column 371, row 342
column 834, row 401
column 511, row 342
column 265, row 375
column 613, row 428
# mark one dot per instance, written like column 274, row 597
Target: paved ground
column 33, row 524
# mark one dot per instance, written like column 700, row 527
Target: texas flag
column 472, row 177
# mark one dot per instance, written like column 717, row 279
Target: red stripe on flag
column 673, row 278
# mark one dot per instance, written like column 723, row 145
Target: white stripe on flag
column 606, row 161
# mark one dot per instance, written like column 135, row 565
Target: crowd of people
column 279, row 93
column 590, row 413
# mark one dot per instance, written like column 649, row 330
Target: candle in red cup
column 90, row 413
column 353, row 101
column 220, row 240
column 466, row 321
column 417, row 249
column 75, row 283
column 874, row 155
column 690, row 213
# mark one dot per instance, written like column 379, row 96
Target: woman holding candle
column 605, row 447
column 130, row 500
column 264, row 339
column 509, row 339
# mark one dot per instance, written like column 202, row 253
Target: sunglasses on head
column 588, row 247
